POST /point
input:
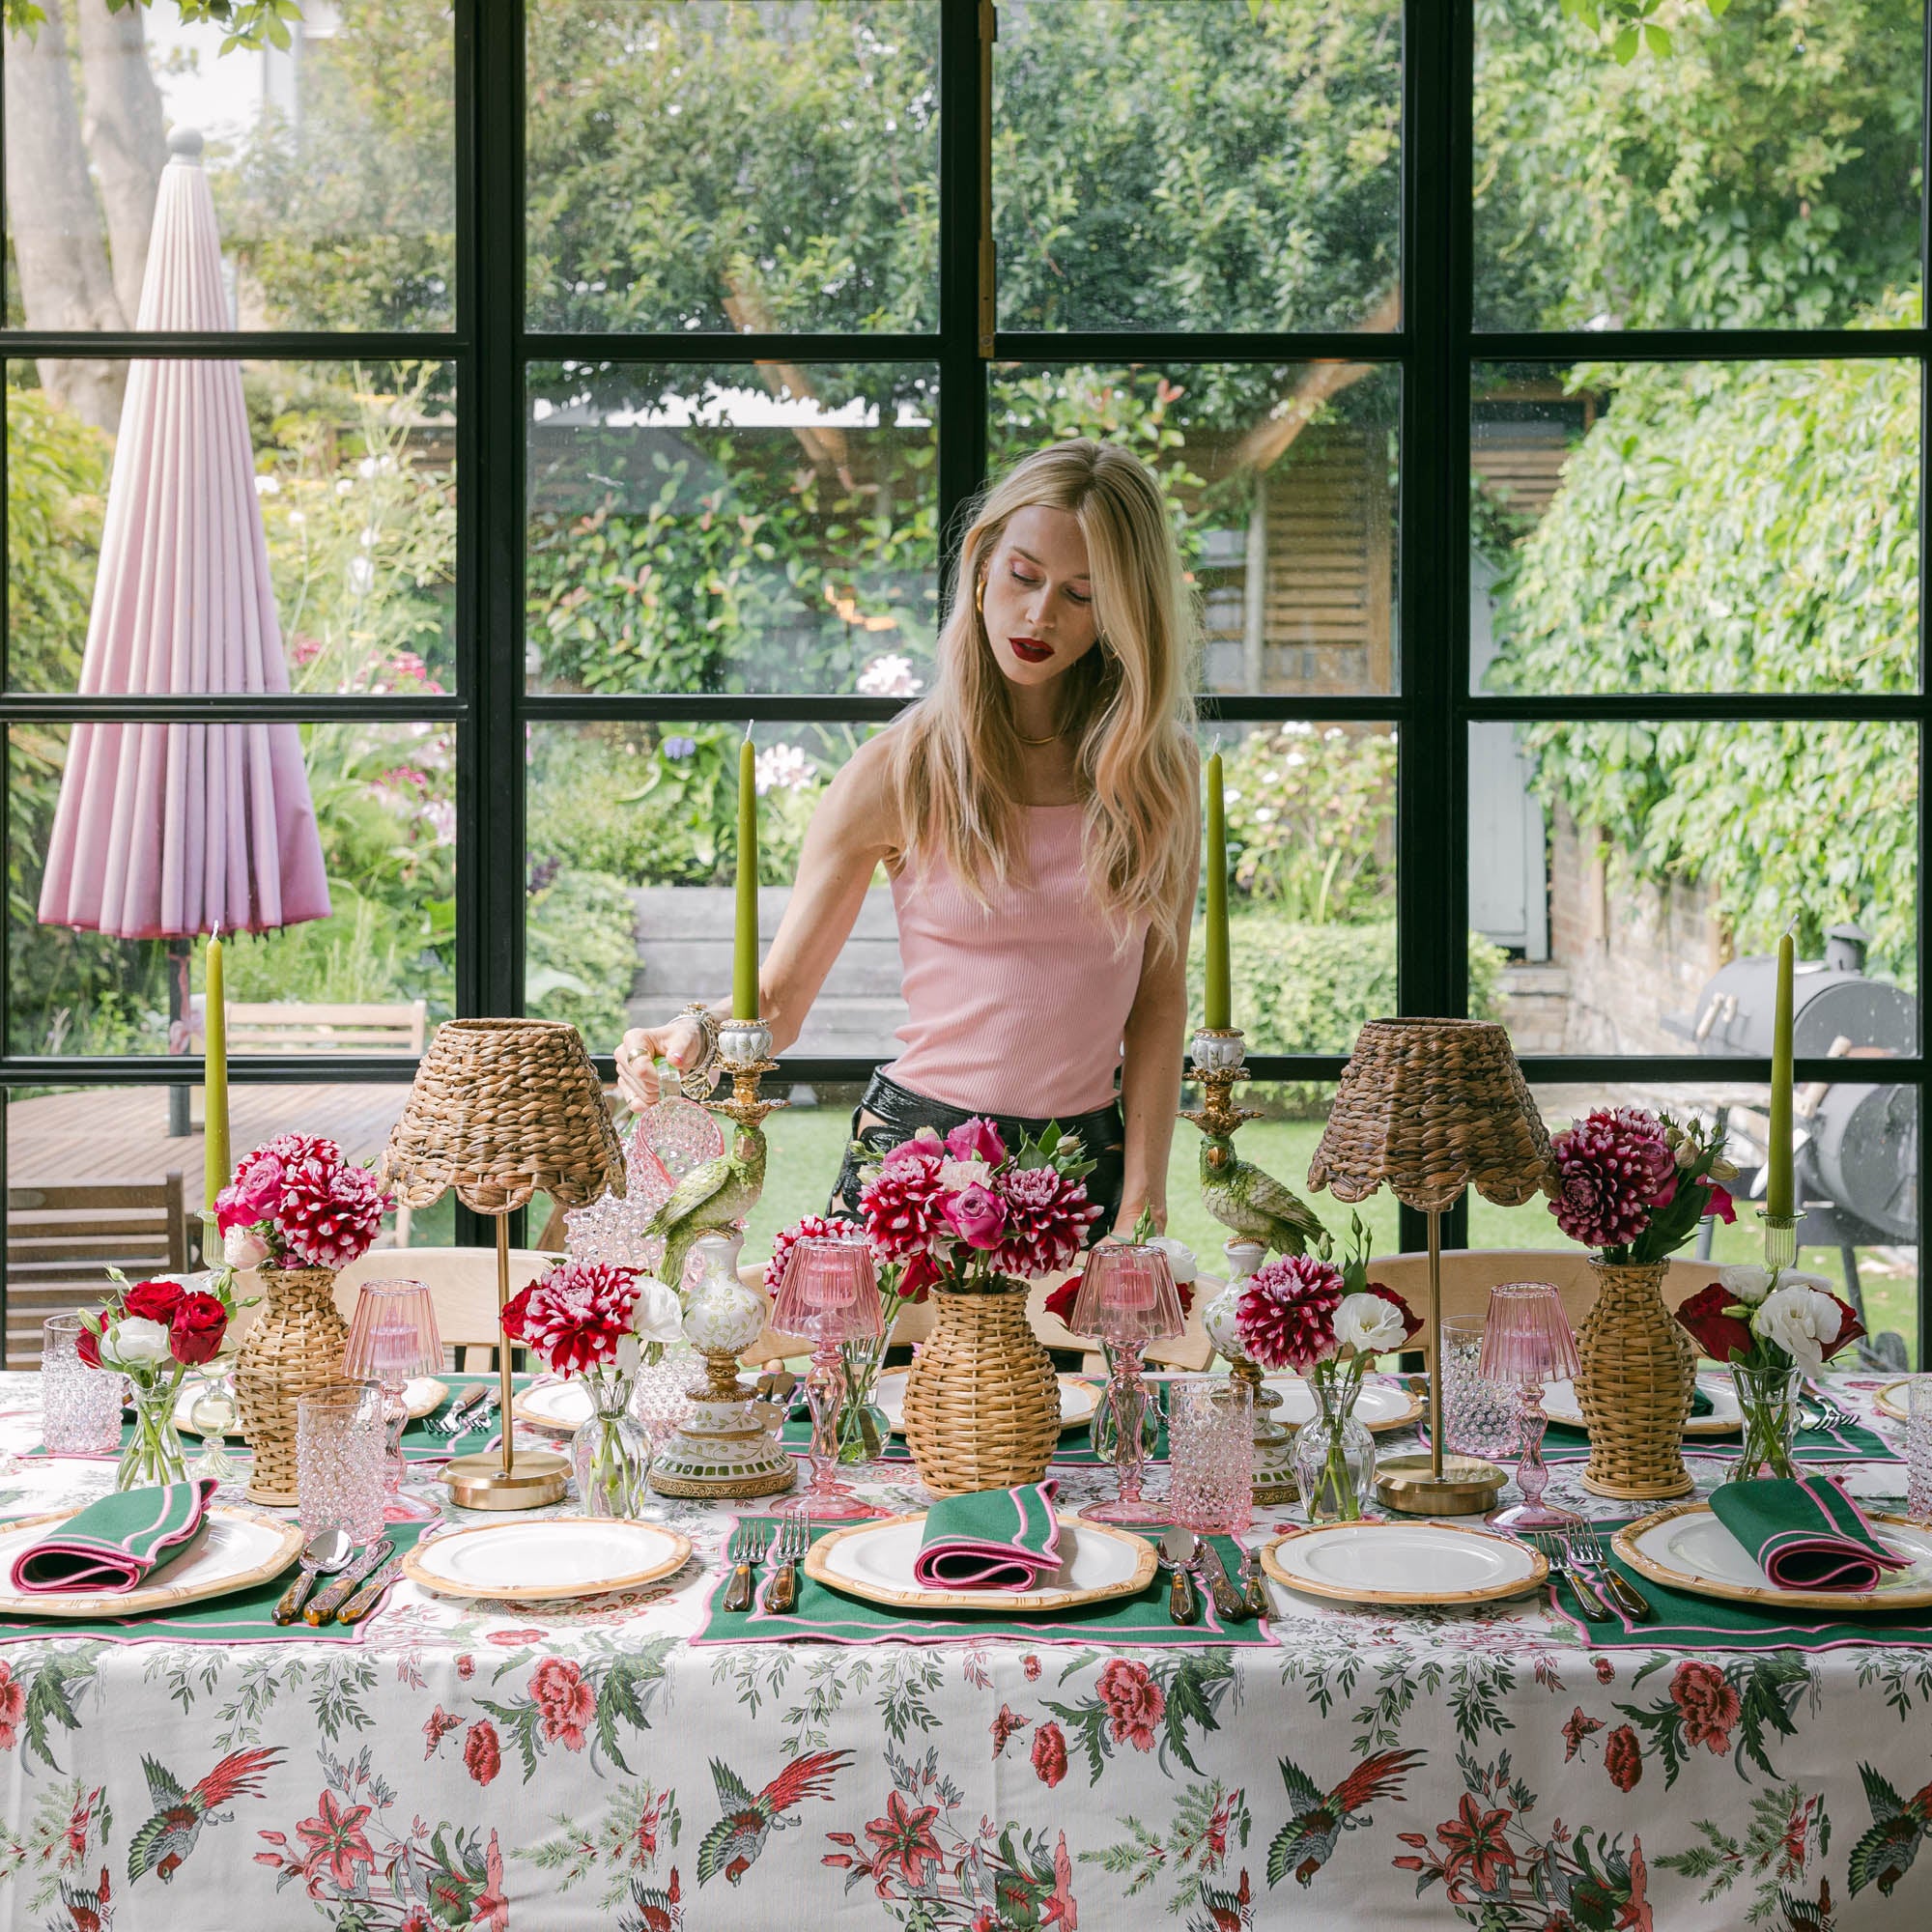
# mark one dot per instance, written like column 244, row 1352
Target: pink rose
column 977, row 1139
column 925, row 1145
column 254, row 1194
column 243, row 1246
column 977, row 1216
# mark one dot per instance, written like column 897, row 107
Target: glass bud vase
column 1768, row 1401
column 864, row 1427
column 153, row 1454
column 1334, row 1456
column 610, row 1454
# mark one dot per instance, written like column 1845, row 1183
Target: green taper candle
column 1778, row 1190
column 214, row 1048
column 744, row 950
column 1218, row 1002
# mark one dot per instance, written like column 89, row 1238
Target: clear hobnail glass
column 1334, row 1455
column 1481, row 1417
column 80, row 1406
column 610, row 1454
column 1768, row 1401
column 153, row 1454
column 1918, row 1449
column 1211, row 1436
column 660, row 1393
column 339, row 1444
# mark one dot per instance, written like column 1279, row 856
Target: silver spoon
column 323, row 1554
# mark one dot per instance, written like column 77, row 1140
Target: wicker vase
column 1635, row 1387
column 296, row 1345
column 981, row 1402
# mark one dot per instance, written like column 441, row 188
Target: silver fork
column 747, row 1551
column 450, row 1421
column 1587, row 1545
column 1829, row 1414
column 1550, row 1549
column 479, row 1416
column 794, row 1540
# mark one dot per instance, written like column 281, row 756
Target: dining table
column 646, row 1760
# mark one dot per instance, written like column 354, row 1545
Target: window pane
column 1283, row 485
column 763, row 529
column 1757, row 169
column 331, row 164
column 1625, row 866
column 1694, row 526
column 353, row 483
column 1192, row 164
column 710, row 165
column 384, row 804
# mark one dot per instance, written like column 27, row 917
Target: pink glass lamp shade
column 829, row 1294
column 1126, row 1300
column 392, row 1339
column 1527, row 1341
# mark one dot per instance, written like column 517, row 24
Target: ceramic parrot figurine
column 1256, row 1204
column 713, row 1196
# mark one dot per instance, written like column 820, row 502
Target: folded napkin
column 991, row 1539
column 1700, row 1401
column 118, row 1543
column 1806, row 1534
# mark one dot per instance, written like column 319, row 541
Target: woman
column 1037, row 814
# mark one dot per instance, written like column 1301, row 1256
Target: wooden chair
column 61, row 1237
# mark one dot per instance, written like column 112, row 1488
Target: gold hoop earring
column 979, row 597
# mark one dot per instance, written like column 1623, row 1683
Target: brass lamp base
column 533, row 1478
column 1465, row 1486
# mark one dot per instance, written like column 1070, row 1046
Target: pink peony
column 901, row 1206
column 575, row 1315
column 1613, row 1167
column 1047, row 1218
column 1286, row 1316
column 977, row 1139
column 977, row 1216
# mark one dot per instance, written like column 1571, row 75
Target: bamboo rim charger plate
column 873, row 1561
column 1381, row 1407
column 1686, row 1548
column 1889, row 1400
column 240, row 1548
column 1370, row 1562
column 575, row 1556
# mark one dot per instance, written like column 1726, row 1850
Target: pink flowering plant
column 1633, row 1185
column 297, row 1201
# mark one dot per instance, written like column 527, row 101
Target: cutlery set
column 472, row 1409
column 355, row 1590
column 1564, row 1550
column 1191, row 1561
column 786, row 1541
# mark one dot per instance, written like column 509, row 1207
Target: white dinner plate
column 555, row 1404
column 550, row 1557
column 1379, row 1406
column 874, row 1561
column 240, row 1548
column 1078, row 1400
column 420, row 1395
column 1686, row 1548
column 1560, row 1405
column 1403, row 1563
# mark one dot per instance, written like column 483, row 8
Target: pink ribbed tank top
column 1018, row 1008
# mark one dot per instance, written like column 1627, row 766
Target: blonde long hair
column 956, row 769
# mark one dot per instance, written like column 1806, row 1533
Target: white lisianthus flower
column 1746, row 1282
column 244, row 1247
column 629, row 1353
column 658, row 1315
column 1801, row 1320
column 957, row 1176
column 1180, row 1262
column 135, row 1343
column 1369, row 1324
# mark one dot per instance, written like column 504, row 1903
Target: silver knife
column 1230, row 1604
column 371, row 1593
column 325, row 1604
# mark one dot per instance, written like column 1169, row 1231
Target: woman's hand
column 1128, row 1218
column 680, row 1042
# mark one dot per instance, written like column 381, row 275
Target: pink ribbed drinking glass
column 392, row 1339
column 829, row 1294
column 1126, row 1300
column 1528, row 1342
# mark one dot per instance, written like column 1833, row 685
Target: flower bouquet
column 1635, row 1185
column 152, row 1332
column 598, row 1322
column 1771, row 1327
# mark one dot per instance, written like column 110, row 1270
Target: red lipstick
column 1030, row 651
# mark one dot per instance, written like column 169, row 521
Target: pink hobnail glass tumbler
column 392, row 1339
column 1210, row 1447
column 830, row 1295
column 1126, row 1300
column 1526, row 1342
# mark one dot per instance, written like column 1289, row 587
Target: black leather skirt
column 892, row 1113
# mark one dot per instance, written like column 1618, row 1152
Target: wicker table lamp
column 502, row 1110
column 1427, row 1108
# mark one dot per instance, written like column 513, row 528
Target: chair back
column 307, row 1025
column 63, row 1236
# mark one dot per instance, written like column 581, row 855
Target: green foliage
column 581, row 954
column 56, row 494
column 249, row 24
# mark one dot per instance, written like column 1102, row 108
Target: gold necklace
column 1051, row 738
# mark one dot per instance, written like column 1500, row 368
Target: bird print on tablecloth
column 1898, row 1827
column 1254, row 1204
column 653, row 1908
column 1227, row 1911
column 1307, row 1841
column 732, row 1845
column 711, row 1198
column 88, row 1911
column 167, row 1837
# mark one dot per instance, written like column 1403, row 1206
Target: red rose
column 86, row 1346
column 1710, row 1703
column 482, row 1754
column 1061, row 1301
column 1850, row 1327
column 153, row 1300
column 1719, row 1205
column 1722, row 1337
column 199, row 1324
column 1049, row 1754
column 917, row 1277
column 1623, row 1758
column 567, row 1702
column 1134, row 1702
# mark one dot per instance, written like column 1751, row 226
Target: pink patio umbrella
column 165, row 831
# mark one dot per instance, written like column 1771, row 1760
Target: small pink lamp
column 393, row 1338
column 829, row 1294
column 1527, row 1341
column 1126, row 1300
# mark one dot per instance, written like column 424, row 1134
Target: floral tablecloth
column 480, row 1765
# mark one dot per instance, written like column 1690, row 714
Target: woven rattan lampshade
column 1428, row 1108
column 502, row 1110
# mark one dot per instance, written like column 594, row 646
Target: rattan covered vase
column 982, row 1402
column 1635, row 1387
column 296, row 1345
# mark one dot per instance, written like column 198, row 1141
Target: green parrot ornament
column 715, row 1196
column 1255, row 1205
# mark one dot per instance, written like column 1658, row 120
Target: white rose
column 1368, row 1325
column 1801, row 1320
column 244, row 1247
column 957, row 1176
column 659, row 1315
column 135, row 1343
column 629, row 1353
column 1745, row 1282
column 1180, row 1262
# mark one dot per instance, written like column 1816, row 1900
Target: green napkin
column 117, row 1544
column 1700, row 1401
column 990, row 1540
column 1806, row 1534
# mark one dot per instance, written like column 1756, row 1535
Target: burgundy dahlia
column 807, row 1228
column 901, row 1205
column 1286, row 1316
column 1614, row 1168
column 1047, row 1218
column 575, row 1315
